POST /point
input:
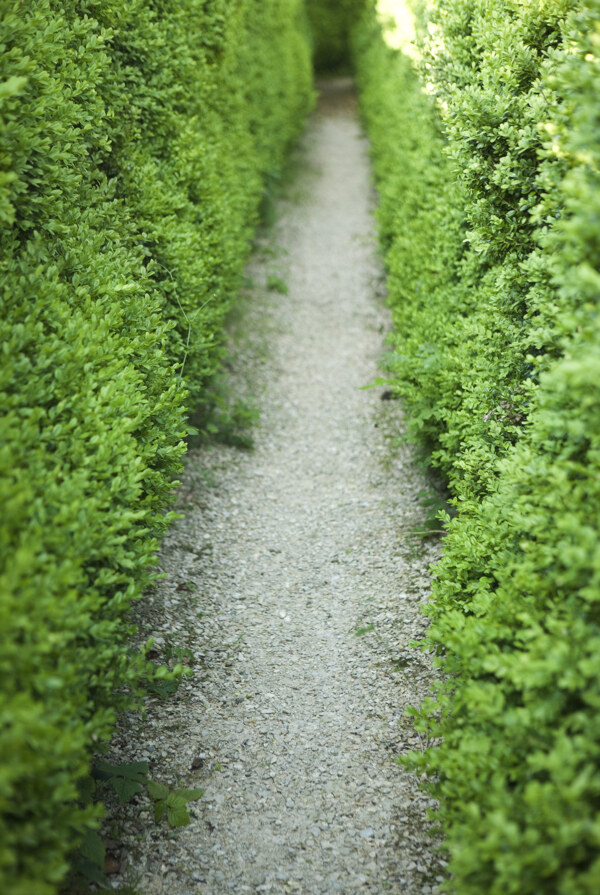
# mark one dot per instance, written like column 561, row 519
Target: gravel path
column 292, row 587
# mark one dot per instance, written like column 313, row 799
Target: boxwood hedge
column 489, row 219
column 331, row 24
column 136, row 142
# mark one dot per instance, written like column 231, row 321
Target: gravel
column 293, row 585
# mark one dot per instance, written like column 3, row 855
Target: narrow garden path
column 292, row 587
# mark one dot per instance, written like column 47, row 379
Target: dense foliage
column 492, row 237
column 331, row 24
column 136, row 141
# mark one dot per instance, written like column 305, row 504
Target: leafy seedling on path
column 127, row 779
column 434, row 505
column 276, row 284
column 223, row 418
column 89, row 870
column 163, row 681
column 87, row 864
column 163, row 689
column 172, row 802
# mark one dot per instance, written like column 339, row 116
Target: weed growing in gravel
column 224, row 419
column 276, row 284
column 172, row 803
column 126, row 780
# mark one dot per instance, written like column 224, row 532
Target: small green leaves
column 134, row 154
column 159, row 794
column 126, row 779
column 489, row 216
column 89, row 860
column 93, row 848
column 163, row 688
column 224, row 418
column 364, row 630
column 276, row 284
column 173, row 803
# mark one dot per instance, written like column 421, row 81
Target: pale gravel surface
column 291, row 721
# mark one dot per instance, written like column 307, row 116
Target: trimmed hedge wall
column 491, row 226
column 137, row 139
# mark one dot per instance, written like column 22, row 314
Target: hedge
column 331, row 24
column 137, row 140
column 497, row 356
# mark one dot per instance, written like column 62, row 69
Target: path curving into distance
column 292, row 587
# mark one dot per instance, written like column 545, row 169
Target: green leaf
column 133, row 770
column 191, row 795
column 157, row 790
column 126, row 779
column 125, row 788
column 92, row 848
column 178, row 816
column 162, row 688
column 176, row 800
column 87, row 788
column 90, row 871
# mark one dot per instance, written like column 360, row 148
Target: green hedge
column 137, row 139
column 497, row 356
column 331, row 24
